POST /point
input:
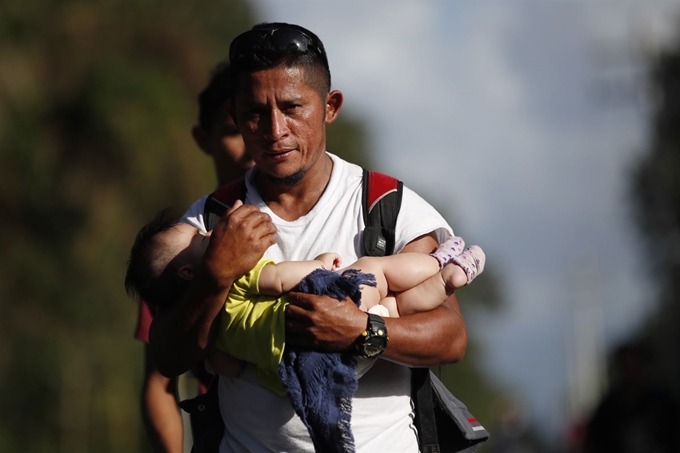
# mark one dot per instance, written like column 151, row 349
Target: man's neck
column 290, row 202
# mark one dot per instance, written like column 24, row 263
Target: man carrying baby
column 302, row 201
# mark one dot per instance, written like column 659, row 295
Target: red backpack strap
column 381, row 203
column 221, row 199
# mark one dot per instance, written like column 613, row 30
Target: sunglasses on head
column 282, row 39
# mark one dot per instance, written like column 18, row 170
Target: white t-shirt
column 256, row 419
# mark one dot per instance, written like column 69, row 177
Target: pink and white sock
column 447, row 250
column 472, row 261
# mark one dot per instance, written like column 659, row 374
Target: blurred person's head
column 282, row 99
column 631, row 364
column 216, row 133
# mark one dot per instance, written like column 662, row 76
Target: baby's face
column 189, row 241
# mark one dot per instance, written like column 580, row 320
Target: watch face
column 373, row 347
column 374, row 340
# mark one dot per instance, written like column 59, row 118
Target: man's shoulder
column 344, row 166
column 417, row 218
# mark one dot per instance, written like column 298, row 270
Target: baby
column 166, row 255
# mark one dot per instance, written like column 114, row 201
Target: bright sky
column 520, row 121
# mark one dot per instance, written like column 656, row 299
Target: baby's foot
column 472, row 261
column 450, row 248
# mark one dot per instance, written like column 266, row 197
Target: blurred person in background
column 301, row 201
column 216, row 133
column 637, row 415
column 217, row 136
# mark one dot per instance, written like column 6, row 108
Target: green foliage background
column 96, row 103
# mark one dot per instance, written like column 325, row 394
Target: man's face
column 282, row 120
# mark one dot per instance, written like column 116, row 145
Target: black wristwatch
column 372, row 341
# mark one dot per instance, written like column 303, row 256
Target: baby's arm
column 276, row 279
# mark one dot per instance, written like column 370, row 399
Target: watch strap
column 372, row 341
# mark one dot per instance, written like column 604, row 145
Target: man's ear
column 201, row 138
column 186, row 272
column 333, row 105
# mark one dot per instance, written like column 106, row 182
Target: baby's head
column 163, row 260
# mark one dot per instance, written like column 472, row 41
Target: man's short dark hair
column 213, row 97
column 142, row 279
column 269, row 45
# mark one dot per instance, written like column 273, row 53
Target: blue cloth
column 320, row 386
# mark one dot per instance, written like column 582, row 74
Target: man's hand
column 321, row 322
column 238, row 241
column 181, row 334
column 429, row 338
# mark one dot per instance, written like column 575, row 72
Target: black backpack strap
column 205, row 420
column 425, row 420
column 221, row 199
column 443, row 422
column 459, row 430
column 381, row 203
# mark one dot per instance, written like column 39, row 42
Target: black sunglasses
column 282, row 39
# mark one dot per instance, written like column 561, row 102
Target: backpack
column 442, row 421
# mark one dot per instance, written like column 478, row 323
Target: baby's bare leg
column 370, row 297
column 398, row 272
column 390, row 304
column 432, row 292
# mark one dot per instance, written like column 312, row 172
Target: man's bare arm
column 181, row 335
column 429, row 338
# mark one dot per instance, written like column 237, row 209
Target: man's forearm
column 180, row 336
column 431, row 338
column 423, row 339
